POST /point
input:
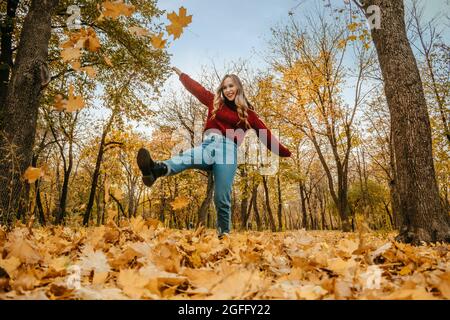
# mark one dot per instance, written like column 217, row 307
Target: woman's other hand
column 177, row 71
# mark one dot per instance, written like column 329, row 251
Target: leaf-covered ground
column 141, row 260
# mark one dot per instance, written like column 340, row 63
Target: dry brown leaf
column 10, row 265
column 25, row 282
column 444, row 285
column 24, row 250
column 132, row 283
column 310, row 292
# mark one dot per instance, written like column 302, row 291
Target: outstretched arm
column 269, row 140
column 204, row 96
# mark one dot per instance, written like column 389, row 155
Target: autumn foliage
column 142, row 260
column 76, row 221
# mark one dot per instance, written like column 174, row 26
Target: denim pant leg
column 195, row 158
column 224, row 170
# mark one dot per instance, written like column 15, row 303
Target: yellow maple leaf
column 352, row 26
column 90, row 71
column 132, row 283
column 59, row 263
column 74, row 103
column 32, row 174
column 178, row 22
column 24, row 250
column 76, row 65
column 108, row 61
column 10, row 265
column 138, row 31
column 179, row 203
column 158, row 42
column 70, row 54
column 60, row 103
column 91, row 42
column 342, row 43
column 113, row 9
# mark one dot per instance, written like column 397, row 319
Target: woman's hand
column 177, row 71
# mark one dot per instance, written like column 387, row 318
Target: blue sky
column 223, row 31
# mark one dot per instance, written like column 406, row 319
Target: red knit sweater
column 227, row 118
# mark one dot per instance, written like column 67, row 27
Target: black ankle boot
column 150, row 170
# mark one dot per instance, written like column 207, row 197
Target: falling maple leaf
column 32, row 174
column 76, row 65
column 74, row 103
column 108, row 61
column 138, row 31
column 59, row 103
column 158, row 42
column 113, row 9
column 69, row 54
column 180, row 202
column 178, row 22
column 90, row 71
column 91, row 42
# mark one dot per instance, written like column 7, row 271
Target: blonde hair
column 242, row 104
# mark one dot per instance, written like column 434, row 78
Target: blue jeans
column 219, row 155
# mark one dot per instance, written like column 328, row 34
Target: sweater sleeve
column 269, row 140
column 204, row 96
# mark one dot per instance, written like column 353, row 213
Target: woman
column 230, row 115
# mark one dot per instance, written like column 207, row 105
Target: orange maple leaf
column 74, row 103
column 32, row 174
column 70, row 54
column 138, row 31
column 114, row 9
column 157, row 41
column 60, row 102
column 178, row 22
column 179, row 203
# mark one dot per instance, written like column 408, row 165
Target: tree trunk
column 268, row 208
column 245, row 200
column 322, row 210
column 39, row 205
column 18, row 116
column 6, row 52
column 244, row 211
column 255, row 208
column 203, row 211
column 303, row 203
column 96, row 174
column 423, row 216
column 393, row 190
column 280, row 205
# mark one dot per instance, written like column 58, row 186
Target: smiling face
column 229, row 89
